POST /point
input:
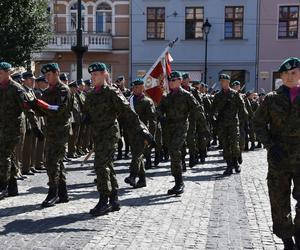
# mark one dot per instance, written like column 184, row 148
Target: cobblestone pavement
column 213, row 213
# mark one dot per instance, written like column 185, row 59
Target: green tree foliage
column 24, row 29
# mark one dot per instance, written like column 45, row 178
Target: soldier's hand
column 148, row 138
column 38, row 133
column 276, row 153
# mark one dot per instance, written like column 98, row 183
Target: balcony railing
column 94, row 41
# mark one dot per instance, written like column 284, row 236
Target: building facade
column 278, row 39
column 232, row 38
column 105, row 25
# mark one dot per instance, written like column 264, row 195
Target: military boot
column 288, row 244
column 52, row 197
column 3, row 191
column 178, row 187
column 102, row 208
column 131, row 180
column 214, row 142
column 63, row 193
column 141, row 182
column 228, row 170
column 114, row 200
column 240, row 159
column 192, row 160
column 236, row 165
column 12, row 188
column 148, row 164
column 252, row 146
column 258, row 145
column 202, row 157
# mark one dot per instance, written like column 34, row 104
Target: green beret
column 236, row 83
column 73, row 84
column 138, row 81
column 185, row 75
column 224, row 77
column 97, row 67
column 5, row 66
column 289, row 64
column 174, row 75
column 49, row 67
column 196, row 83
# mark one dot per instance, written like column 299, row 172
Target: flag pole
column 170, row 45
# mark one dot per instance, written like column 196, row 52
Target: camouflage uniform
column 277, row 126
column 12, row 99
column 229, row 109
column 58, row 126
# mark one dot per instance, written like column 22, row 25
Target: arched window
column 73, row 17
column 104, row 18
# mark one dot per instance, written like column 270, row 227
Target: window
column 234, row 21
column 194, row 17
column 104, row 18
column 288, row 22
column 73, row 17
column 155, row 23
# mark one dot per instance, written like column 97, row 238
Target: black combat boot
column 12, row 188
column 240, row 159
column 52, row 197
column 236, row 165
column 157, row 158
column 166, row 153
column 63, row 193
column 288, row 244
column 178, row 187
column 102, row 208
column 202, row 157
column 148, row 164
column 3, row 191
column 258, row 145
column 114, row 200
column 252, row 146
column 183, row 163
column 192, row 160
column 214, row 142
column 228, row 170
column 130, row 180
column 141, row 182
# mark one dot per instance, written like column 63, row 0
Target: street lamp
column 206, row 29
column 79, row 49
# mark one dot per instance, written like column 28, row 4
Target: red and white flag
column 156, row 82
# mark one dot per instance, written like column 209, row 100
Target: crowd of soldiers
column 48, row 120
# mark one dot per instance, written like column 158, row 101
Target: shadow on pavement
column 47, row 225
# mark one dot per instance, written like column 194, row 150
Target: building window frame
column 231, row 22
column 193, row 22
column 287, row 20
column 154, row 23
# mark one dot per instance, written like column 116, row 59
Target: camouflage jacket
column 277, row 119
column 229, row 108
column 103, row 106
column 177, row 106
column 59, row 95
column 13, row 98
column 146, row 111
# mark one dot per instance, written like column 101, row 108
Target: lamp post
column 206, row 29
column 79, row 49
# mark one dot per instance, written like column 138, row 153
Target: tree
column 24, row 29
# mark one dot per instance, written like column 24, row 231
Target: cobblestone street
column 213, row 213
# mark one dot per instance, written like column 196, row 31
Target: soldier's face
column 290, row 78
column 138, row 90
column 29, row 82
column 186, row 82
column 237, row 87
column 4, row 76
column 52, row 77
column 175, row 83
column 224, row 83
column 42, row 85
column 98, row 77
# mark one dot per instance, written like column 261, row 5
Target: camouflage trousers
column 175, row 136
column 105, row 147
column 230, row 139
column 137, row 167
column 54, row 153
column 7, row 165
column 280, row 178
